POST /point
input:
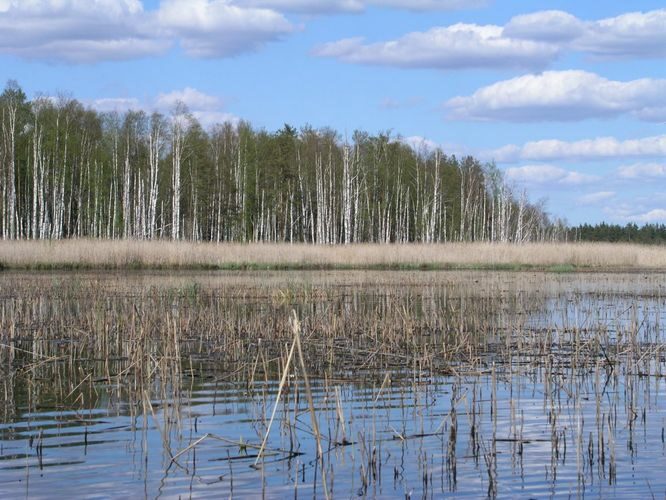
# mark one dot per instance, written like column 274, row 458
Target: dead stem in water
column 395, row 335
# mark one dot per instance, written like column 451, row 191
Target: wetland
column 337, row 384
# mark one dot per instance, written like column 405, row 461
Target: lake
column 332, row 383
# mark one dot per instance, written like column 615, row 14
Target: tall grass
column 134, row 254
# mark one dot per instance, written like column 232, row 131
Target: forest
column 70, row 171
column 630, row 233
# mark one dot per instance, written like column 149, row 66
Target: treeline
column 631, row 233
column 71, row 171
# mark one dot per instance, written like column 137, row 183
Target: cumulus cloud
column 93, row 30
column 640, row 209
column 419, row 143
column 547, row 26
column 547, row 174
column 453, row 47
column 77, row 30
column 207, row 109
column 355, row 6
column 422, row 5
column 651, row 216
column 84, row 31
column 192, row 98
column 306, row 6
column 561, row 96
column 643, row 171
column 216, row 28
column 634, row 34
column 588, row 149
column 530, row 40
column 209, row 118
column 595, row 198
column 117, row 104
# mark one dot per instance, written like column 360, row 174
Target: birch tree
column 10, row 101
column 180, row 120
column 67, row 171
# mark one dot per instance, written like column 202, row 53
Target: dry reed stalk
column 283, row 380
column 296, row 326
column 163, row 432
column 124, row 254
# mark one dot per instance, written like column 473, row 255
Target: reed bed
column 137, row 254
column 561, row 370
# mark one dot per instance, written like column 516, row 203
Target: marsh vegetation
column 89, row 254
column 332, row 384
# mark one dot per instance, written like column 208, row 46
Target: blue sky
column 568, row 98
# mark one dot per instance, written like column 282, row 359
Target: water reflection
column 424, row 384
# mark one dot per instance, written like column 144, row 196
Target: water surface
column 423, row 384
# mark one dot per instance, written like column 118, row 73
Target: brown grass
column 100, row 254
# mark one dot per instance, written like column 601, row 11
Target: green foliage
column 654, row 234
column 562, row 268
column 81, row 173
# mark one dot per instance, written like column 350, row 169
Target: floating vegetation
column 332, row 384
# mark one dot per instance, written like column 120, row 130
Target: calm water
column 564, row 396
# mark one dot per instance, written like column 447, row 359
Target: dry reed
column 133, row 254
column 564, row 341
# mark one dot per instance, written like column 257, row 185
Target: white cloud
column 356, row 6
column 84, row 31
column 529, row 40
column 423, row 5
column 547, row 26
column 588, row 149
column 77, row 30
column 453, row 47
column 92, row 30
column 209, row 118
column 595, row 198
column 639, row 209
column 192, row 98
column 207, row 109
column 419, row 143
column 118, row 104
column 306, row 6
column 547, row 174
column 216, row 28
column 561, row 96
column 643, row 171
column 652, row 114
column 651, row 216
column 634, row 34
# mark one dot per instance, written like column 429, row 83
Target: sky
column 567, row 98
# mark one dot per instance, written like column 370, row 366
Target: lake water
column 422, row 384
